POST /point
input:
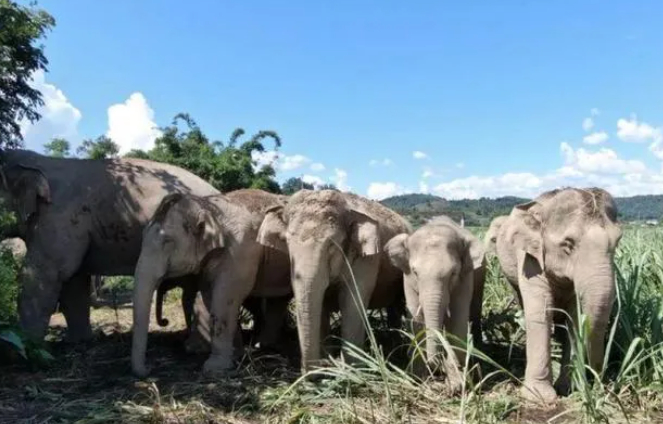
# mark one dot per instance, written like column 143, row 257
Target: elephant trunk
column 144, row 286
column 311, row 278
column 435, row 302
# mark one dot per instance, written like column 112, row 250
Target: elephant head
column 176, row 241
column 556, row 247
column 318, row 229
column 24, row 189
column 438, row 262
column 490, row 238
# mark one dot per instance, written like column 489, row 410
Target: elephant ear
column 207, row 232
column 29, row 188
column 273, row 228
column 527, row 235
column 398, row 252
column 364, row 233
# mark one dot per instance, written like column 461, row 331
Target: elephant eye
column 568, row 244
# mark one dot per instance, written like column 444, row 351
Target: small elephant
column 214, row 238
column 555, row 249
column 490, row 238
column 439, row 261
column 323, row 232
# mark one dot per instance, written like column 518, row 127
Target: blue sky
column 508, row 97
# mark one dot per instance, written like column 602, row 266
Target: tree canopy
column 20, row 29
column 294, row 184
column 100, row 148
column 58, row 148
column 227, row 166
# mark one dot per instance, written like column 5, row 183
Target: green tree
column 327, row 187
column 58, row 148
column 227, row 166
column 294, row 184
column 20, row 29
column 101, row 148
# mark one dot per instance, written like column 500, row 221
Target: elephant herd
column 330, row 250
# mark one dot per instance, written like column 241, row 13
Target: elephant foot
column 539, row 392
column 196, row 345
column 140, row 371
column 219, row 366
column 79, row 335
column 563, row 384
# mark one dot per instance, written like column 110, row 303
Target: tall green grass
column 629, row 387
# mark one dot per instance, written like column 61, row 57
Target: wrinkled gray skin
column 490, row 238
column 317, row 228
column 215, row 239
column 269, row 314
column 554, row 248
column 80, row 217
column 439, row 261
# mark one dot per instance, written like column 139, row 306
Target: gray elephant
column 80, row 217
column 320, row 230
column 214, row 238
column 269, row 316
column 439, row 261
column 552, row 249
column 490, row 238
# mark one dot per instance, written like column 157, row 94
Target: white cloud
column 59, row 118
column 460, row 165
column 587, row 124
column 379, row 191
column 603, row 161
column 290, row 163
column 596, row 138
column 595, row 112
column 340, row 180
column 131, row 124
column 423, row 187
column 419, row 155
column 381, row 162
column 427, row 173
column 313, row 179
column 631, row 130
column 317, row 167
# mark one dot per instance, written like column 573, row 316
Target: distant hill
column 479, row 212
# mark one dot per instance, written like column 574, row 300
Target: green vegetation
column 21, row 28
column 479, row 212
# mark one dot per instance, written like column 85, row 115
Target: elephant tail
column 163, row 322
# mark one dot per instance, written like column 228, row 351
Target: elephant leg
column 538, row 303
column 274, row 316
column 199, row 335
column 416, row 315
column 228, row 293
column 75, row 302
column 189, row 291
column 354, row 297
column 476, row 306
column 564, row 333
column 458, row 324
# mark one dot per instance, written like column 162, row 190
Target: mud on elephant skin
column 439, row 262
column 320, row 230
column 554, row 250
column 80, row 217
column 214, row 238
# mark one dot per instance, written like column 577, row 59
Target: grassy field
column 93, row 383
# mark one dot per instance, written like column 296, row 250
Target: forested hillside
column 479, row 212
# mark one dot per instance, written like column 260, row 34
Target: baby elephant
column 439, row 269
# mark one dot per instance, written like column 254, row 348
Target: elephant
column 213, row 238
column 321, row 230
column 80, row 217
column 490, row 238
column 439, row 262
column 554, row 250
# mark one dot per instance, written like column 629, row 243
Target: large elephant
column 80, row 217
column 214, row 238
column 321, row 230
column 439, row 261
column 553, row 249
